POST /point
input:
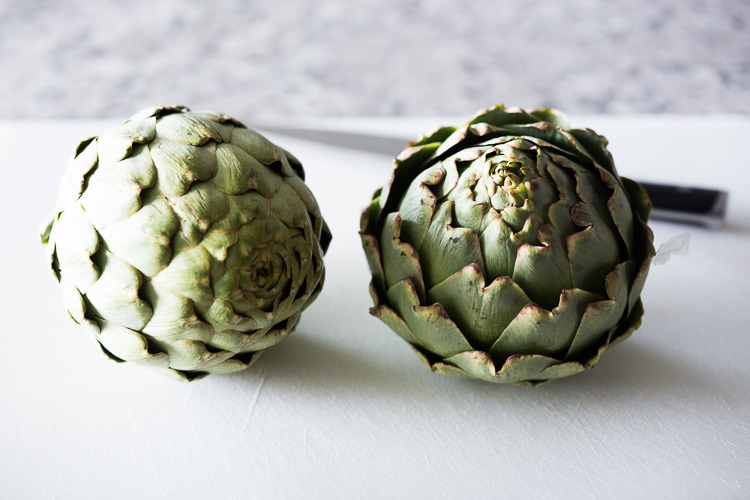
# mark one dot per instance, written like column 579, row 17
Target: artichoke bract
column 508, row 249
column 186, row 241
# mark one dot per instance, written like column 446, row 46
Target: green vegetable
column 186, row 241
column 508, row 249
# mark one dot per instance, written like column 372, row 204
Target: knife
column 683, row 204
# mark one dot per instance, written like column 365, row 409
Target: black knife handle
column 705, row 207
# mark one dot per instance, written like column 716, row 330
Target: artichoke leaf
column 255, row 144
column 257, row 340
column 113, row 147
column 143, row 239
column 601, row 316
column 593, row 252
column 475, row 364
column 192, row 355
column 418, row 207
column 401, row 258
column 390, row 317
column 443, row 368
column 299, row 261
column 290, row 208
column 500, row 115
column 241, row 210
column 471, row 197
column 187, row 128
column 550, row 260
column 500, row 244
column 628, row 325
column 371, row 247
column 155, row 113
column 264, row 318
column 118, row 144
column 74, row 303
column 431, row 325
column 138, row 131
column 222, row 316
column 233, row 365
column 289, row 165
column 300, row 192
column 73, row 258
column 74, row 178
column 638, row 198
column 188, row 274
column 128, row 345
column 410, row 163
column 594, row 146
column 197, row 210
column 179, row 165
column 445, row 184
column 645, row 237
column 274, row 335
column 114, row 190
column 560, row 211
column 637, row 287
column 559, row 370
column 525, row 368
column 451, row 247
column 219, row 244
column 536, row 330
column 223, row 124
column 620, row 211
column 237, row 341
column 261, row 232
column 173, row 316
column 480, row 311
column 115, row 295
column 240, row 172
column 516, row 369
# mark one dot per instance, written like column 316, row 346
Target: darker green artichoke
column 509, row 249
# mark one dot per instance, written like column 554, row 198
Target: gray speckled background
column 83, row 58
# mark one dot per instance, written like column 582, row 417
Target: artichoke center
column 506, row 183
column 264, row 273
column 506, row 176
column 262, row 270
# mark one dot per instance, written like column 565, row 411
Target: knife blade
column 672, row 203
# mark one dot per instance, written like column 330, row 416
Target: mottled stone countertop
column 76, row 58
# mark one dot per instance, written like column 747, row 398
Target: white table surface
column 343, row 407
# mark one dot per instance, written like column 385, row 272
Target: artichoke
column 508, row 249
column 186, row 241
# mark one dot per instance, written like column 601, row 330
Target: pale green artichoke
column 186, row 241
column 508, row 249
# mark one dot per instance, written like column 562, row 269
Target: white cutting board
column 343, row 408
